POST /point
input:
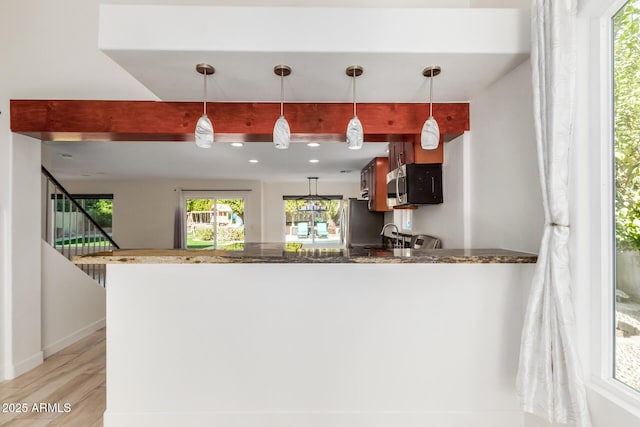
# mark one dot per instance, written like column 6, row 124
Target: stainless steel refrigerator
column 361, row 227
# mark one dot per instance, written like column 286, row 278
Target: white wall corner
column 466, row 189
column 74, row 337
column 5, row 293
column 73, row 304
column 607, row 408
column 506, row 197
column 23, row 305
column 25, row 365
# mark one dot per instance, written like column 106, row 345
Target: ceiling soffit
column 160, row 46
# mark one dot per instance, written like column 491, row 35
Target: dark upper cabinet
column 410, row 152
column 373, row 183
column 424, row 183
column 415, row 184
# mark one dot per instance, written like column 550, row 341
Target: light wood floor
column 74, row 376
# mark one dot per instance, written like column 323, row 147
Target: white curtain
column 549, row 378
column 179, row 226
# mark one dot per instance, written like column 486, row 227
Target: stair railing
column 69, row 229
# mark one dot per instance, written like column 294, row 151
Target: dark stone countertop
column 269, row 253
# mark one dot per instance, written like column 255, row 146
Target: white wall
column 5, row 206
column 496, row 170
column 47, row 52
column 73, row 304
column 506, row 199
column 446, row 221
column 343, row 345
column 274, row 226
column 23, row 318
column 143, row 210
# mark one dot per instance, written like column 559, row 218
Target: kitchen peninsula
column 275, row 335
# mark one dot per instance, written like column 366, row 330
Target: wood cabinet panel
column 373, row 181
column 428, row 156
column 410, row 152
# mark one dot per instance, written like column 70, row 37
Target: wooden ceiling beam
column 87, row 120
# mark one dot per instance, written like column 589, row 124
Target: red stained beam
column 75, row 120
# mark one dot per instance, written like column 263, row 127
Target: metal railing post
column 87, row 235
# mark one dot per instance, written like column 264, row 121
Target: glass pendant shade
column 430, row 135
column 204, row 127
column 281, row 133
column 204, row 132
column 355, row 134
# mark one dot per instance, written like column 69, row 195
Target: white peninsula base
column 318, row 345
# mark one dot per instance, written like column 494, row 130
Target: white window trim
column 602, row 313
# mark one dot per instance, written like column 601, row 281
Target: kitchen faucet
column 396, row 240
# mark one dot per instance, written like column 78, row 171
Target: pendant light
column 355, row 133
column 430, row 135
column 281, row 131
column 204, row 128
column 313, row 201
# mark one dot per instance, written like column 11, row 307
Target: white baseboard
column 73, row 337
column 24, row 366
column 314, row 419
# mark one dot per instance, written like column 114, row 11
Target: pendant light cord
column 431, row 95
column 205, row 92
column 281, row 92
column 353, row 76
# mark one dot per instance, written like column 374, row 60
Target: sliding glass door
column 313, row 222
column 214, row 221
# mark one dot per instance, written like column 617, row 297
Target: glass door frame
column 339, row 199
column 213, row 195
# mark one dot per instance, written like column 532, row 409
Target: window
column 69, row 228
column 215, row 222
column 99, row 207
column 314, row 220
column 626, row 72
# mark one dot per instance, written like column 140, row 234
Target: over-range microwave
column 415, row 184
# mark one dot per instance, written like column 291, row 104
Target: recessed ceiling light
column 313, row 144
column 346, row 171
column 237, row 144
column 67, row 156
column 253, row 161
column 314, row 161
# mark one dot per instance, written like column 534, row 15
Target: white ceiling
column 160, row 45
column 474, row 47
column 152, row 160
column 315, row 77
